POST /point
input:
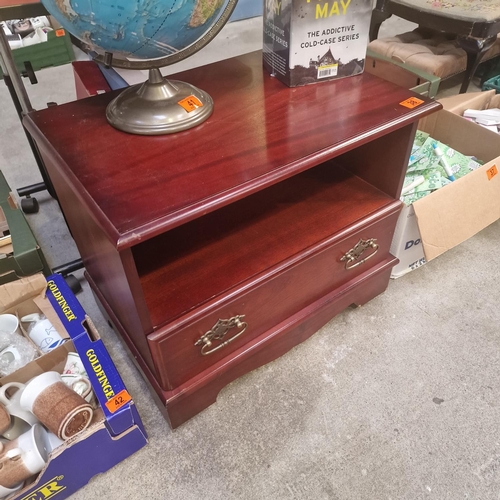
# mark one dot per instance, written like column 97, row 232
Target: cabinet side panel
column 383, row 161
column 113, row 272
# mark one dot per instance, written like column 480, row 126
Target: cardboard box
column 457, row 104
column 22, row 256
column 116, row 431
column 454, row 213
column 310, row 41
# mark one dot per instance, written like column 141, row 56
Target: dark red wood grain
column 260, row 133
column 268, row 299
column 185, row 401
column 113, row 272
column 89, row 80
column 191, row 264
column 254, row 208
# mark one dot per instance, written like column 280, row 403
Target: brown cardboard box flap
column 456, row 212
column 18, row 291
column 462, row 135
column 457, row 104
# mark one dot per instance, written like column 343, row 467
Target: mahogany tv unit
column 215, row 250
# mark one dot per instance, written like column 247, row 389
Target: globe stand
column 159, row 106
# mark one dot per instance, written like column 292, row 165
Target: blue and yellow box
column 116, row 431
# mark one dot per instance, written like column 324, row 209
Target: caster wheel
column 30, row 205
column 73, row 283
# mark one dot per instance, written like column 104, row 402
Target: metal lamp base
column 159, row 106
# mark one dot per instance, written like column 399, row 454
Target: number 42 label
column 117, row 401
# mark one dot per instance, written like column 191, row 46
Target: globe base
column 159, row 106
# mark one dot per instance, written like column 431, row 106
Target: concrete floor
column 396, row 400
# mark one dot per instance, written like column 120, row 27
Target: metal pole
column 9, row 68
column 23, row 105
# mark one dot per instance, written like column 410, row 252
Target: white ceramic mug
column 9, row 324
column 59, row 408
column 5, row 492
column 17, row 354
column 24, row 457
column 81, row 385
column 5, row 419
column 53, row 441
column 74, row 365
column 42, row 332
column 21, row 419
column 10, row 354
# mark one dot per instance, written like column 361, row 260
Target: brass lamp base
column 159, row 106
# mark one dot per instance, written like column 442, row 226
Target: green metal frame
column 57, row 50
column 27, row 258
column 429, row 88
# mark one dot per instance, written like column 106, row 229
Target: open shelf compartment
column 191, row 264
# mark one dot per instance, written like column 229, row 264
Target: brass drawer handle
column 354, row 254
column 218, row 332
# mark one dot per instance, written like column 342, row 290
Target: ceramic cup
column 74, row 365
column 42, row 332
column 20, row 419
column 53, row 441
column 4, row 419
column 24, row 457
column 59, row 408
column 9, row 324
column 81, row 385
column 5, row 492
column 9, row 354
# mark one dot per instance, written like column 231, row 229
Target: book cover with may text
column 309, row 41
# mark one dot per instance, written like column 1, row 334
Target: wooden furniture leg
column 475, row 49
column 379, row 15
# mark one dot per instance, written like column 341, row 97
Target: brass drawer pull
column 354, row 254
column 218, row 332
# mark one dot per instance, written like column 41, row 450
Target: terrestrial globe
column 147, row 34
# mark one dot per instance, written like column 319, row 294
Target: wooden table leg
column 475, row 48
column 379, row 15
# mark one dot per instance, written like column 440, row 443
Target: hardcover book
column 309, row 41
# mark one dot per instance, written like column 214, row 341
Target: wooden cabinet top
column 260, row 133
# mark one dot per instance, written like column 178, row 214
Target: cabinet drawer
column 194, row 342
